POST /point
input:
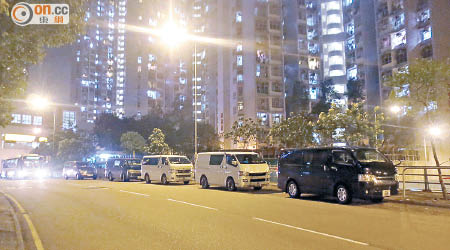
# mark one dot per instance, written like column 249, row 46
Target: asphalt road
column 98, row 214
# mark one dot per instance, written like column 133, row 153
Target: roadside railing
column 425, row 176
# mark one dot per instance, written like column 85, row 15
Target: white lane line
column 134, row 193
column 195, row 205
column 312, row 231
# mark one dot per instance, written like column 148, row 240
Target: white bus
column 25, row 166
column 231, row 170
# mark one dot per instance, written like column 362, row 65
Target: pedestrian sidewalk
column 10, row 233
column 420, row 198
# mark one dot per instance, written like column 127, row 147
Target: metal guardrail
column 424, row 175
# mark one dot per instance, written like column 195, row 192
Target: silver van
column 231, row 170
column 167, row 168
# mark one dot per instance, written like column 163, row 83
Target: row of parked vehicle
column 343, row 172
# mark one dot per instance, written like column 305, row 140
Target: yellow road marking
column 34, row 233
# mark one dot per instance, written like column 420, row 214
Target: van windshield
column 249, row 159
column 369, row 155
column 179, row 160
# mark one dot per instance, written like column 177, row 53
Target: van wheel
column 204, row 182
column 343, row 194
column 230, row 184
column 110, row 177
column 292, row 189
column 147, row 179
column 164, row 179
column 377, row 200
column 257, row 188
column 186, row 182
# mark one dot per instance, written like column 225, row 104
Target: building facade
column 407, row 30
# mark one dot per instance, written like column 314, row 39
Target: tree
column 157, row 144
column 68, row 146
column 353, row 125
column 244, row 131
column 296, row 131
column 108, row 129
column 132, row 142
column 21, row 47
column 354, row 91
column 326, row 93
column 208, row 140
column 424, row 89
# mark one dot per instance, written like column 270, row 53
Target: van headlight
column 366, row 178
column 42, row 173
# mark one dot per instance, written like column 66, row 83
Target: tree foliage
column 325, row 94
column 21, row 47
column 244, row 131
column 353, row 125
column 157, row 144
column 132, row 142
column 296, row 131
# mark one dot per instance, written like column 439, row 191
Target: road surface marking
column 134, row 193
column 34, row 233
column 312, row 231
column 195, row 205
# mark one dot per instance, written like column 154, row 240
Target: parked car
column 344, row 172
column 123, row 168
column 167, row 168
column 232, row 170
column 79, row 170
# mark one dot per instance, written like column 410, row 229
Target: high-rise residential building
column 250, row 68
column 407, row 30
column 301, row 51
column 361, row 49
column 98, row 76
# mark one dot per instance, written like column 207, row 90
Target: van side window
column 308, row 157
column 215, row 159
column 230, row 159
column 342, row 157
column 320, row 157
column 116, row 163
column 150, row 161
column 294, row 157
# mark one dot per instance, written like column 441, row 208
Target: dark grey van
column 344, row 172
column 123, row 169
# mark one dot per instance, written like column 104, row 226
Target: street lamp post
column 172, row 34
column 40, row 103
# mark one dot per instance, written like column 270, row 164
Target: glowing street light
column 172, row 34
column 37, row 131
column 38, row 102
column 434, row 131
column 395, row 109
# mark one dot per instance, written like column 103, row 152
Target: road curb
column 419, row 203
column 19, row 243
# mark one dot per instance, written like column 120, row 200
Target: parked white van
column 231, row 169
column 167, row 168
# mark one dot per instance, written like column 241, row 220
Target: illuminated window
column 313, row 63
column 335, row 47
column 336, row 60
column 239, row 47
column 334, row 18
column 347, row 2
column 37, row 120
column 152, row 94
column 352, row 73
column 398, row 38
column 336, row 72
column 313, row 77
column 139, row 59
column 334, row 5
column 276, row 118
column 238, row 17
column 26, row 119
column 351, row 28
column 426, row 33
column 239, row 60
column 313, row 93
column 339, row 88
column 16, row 118
column 69, row 119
